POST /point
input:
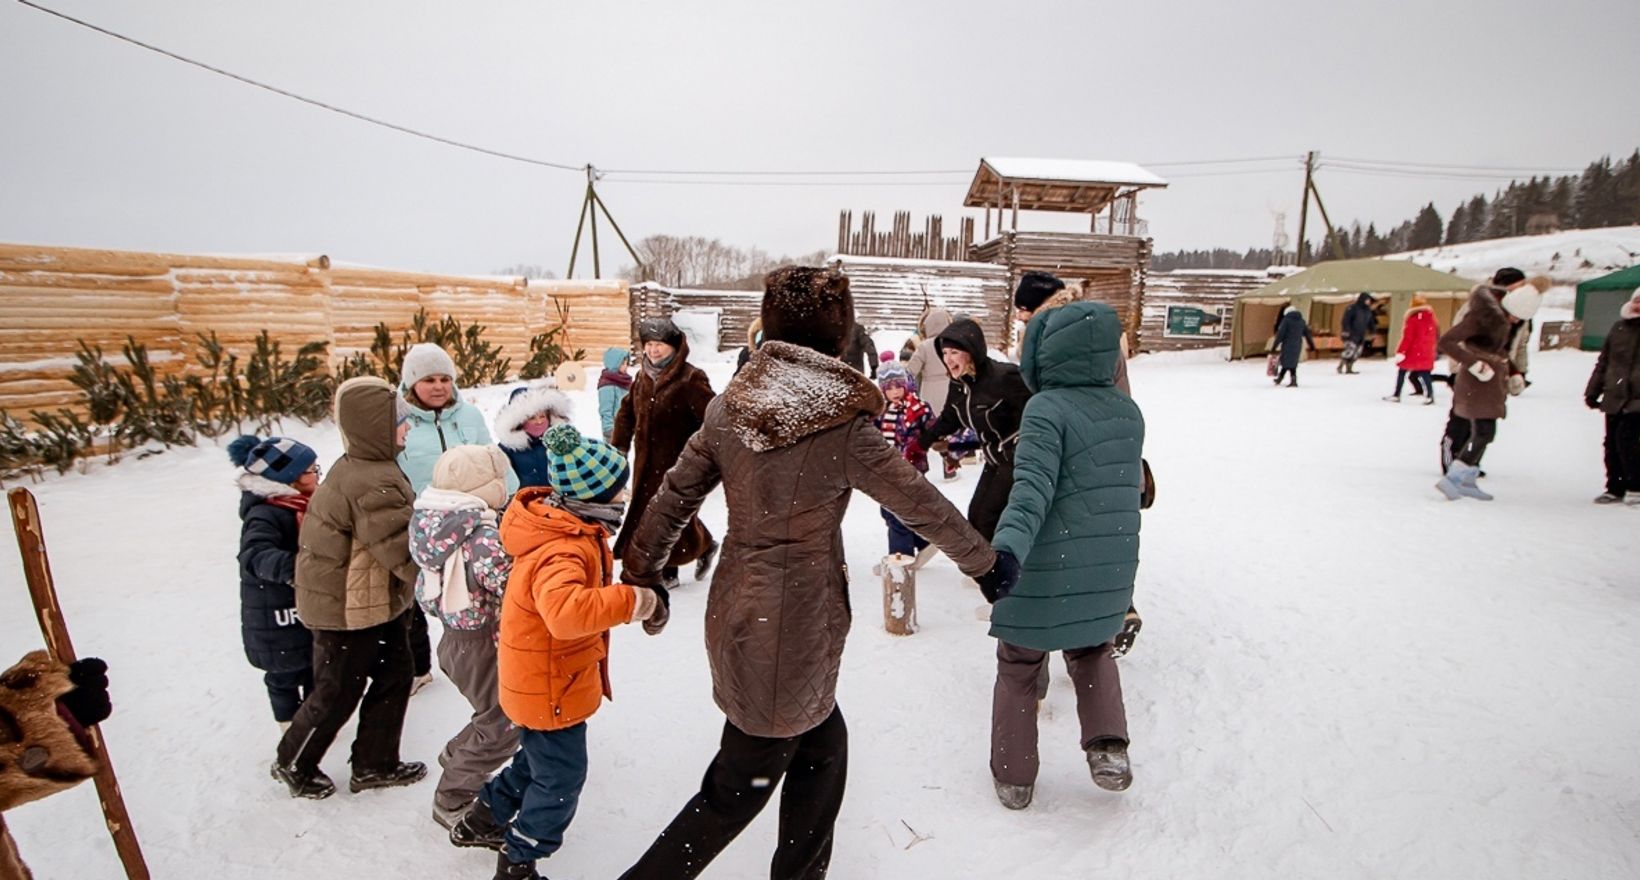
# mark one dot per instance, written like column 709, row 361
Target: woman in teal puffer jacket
column 1073, row 522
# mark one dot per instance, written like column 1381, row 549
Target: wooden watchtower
column 1106, row 263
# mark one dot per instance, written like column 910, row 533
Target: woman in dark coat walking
column 1357, row 328
column 1614, row 389
column 1292, row 334
column 665, row 407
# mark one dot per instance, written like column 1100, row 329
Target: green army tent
column 1598, row 300
column 1322, row 292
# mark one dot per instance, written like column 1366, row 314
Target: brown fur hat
column 808, row 306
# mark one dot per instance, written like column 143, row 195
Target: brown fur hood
column 787, row 392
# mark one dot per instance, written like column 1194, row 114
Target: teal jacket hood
column 1075, row 345
column 614, row 357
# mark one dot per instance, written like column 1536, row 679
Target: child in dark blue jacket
column 277, row 477
column 521, row 424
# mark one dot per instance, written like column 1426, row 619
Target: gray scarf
column 607, row 514
column 652, row 369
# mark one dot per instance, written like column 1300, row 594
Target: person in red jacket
column 1416, row 355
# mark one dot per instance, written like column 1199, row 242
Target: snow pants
column 1466, row 439
column 901, row 540
column 1099, row 710
column 739, row 783
column 1623, row 453
column 990, row 498
column 468, row 659
column 539, row 791
column 287, row 690
column 369, row 664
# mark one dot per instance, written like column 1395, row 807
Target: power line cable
column 1395, row 163
column 306, row 100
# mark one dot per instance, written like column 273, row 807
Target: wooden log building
column 1193, row 308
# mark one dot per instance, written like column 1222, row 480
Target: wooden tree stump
column 899, row 595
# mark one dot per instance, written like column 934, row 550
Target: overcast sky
column 103, row 144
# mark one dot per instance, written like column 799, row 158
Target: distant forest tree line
column 1607, row 193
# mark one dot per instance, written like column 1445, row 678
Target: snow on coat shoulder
column 787, row 392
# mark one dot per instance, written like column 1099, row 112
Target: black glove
column 88, row 702
column 1001, row 579
column 1592, row 401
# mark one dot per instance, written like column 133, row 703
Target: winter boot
column 478, row 828
column 1632, row 500
column 1015, row 797
column 1608, row 498
column 505, row 870
column 1451, row 483
column 669, row 579
column 1466, row 485
column 923, row 556
column 447, row 817
column 1123, row 642
column 1108, row 762
column 315, row 786
column 404, row 773
column 703, row 566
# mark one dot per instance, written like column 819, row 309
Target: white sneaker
column 419, row 682
column 1633, row 500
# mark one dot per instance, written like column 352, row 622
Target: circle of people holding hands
column 512, row 541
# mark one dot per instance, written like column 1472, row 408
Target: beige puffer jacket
column 354, row 570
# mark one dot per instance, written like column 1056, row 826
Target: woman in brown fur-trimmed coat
column 666, row 406
column 45, row 709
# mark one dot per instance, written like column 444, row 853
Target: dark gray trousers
column 489, row 740
column 1099, row 711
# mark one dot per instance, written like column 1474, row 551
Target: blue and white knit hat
column 279, row 459
column 584, row 468
column 895, row 374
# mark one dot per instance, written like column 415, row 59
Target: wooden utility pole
column 31, row 542
column 1304, row 207
column 591, row 204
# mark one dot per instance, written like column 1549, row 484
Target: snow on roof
column 912, row 262
column 1073, row 171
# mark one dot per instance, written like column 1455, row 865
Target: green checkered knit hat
column 584, row 468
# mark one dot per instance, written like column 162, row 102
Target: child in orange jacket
column 555, row 618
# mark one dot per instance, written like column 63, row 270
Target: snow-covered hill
column 1341, row 674
column 1567, row 257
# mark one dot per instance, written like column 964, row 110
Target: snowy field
column 1341, row 674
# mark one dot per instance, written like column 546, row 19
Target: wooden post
column 575, row 249
column 1332, row 234
column 1304, row 208
column 899, row 595
column 31, row 543
column 1016, row 208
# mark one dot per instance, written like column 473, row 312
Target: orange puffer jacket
column 556, row 614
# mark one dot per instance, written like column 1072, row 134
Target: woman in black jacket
column 987, row 397
column 279, row 474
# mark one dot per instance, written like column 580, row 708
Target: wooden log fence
column 51, row 298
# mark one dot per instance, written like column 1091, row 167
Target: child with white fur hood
column 521, row 425
column 464, row 570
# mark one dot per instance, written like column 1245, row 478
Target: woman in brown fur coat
column 45, row 710
column 665, row 408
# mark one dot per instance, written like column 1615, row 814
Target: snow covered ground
column 1341, row 674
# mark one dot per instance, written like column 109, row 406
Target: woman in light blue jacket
column 439, row 418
